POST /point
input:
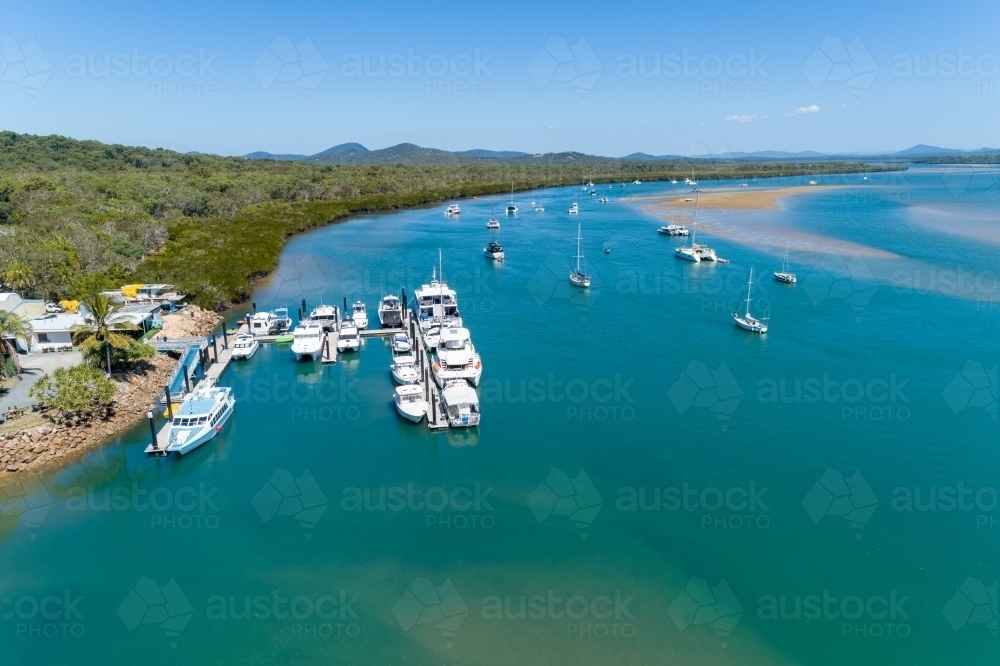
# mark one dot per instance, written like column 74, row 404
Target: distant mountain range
column 411, row 154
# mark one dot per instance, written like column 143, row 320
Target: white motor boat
column 784, row 275
column 349, row 339
column 359, row 313
column 812, row 182
column 282, row 320
column 453, row 209
column 325, row 315
column 674, row 181
column 436, row 303
column 245, row 346
column 604, row 200
column 410, row 402
column 404, row 369
column 694, row 251
column 673, row 230
column 578, row 277
column 539, row 209
column 199, row 418
column 401, row 343
column 456, row 358
column 746, row 321
column 432, row 336
column 574, row 209
column 460, row 404
column 307, row 340
column 494, row 251
column 262, row 323
column 390, row 312
column 593, row 193
column 637, row 182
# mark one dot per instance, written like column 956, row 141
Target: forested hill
column 81, row 215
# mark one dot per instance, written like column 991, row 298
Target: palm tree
column 13, row 326
column 18, row 275
column 102, row 326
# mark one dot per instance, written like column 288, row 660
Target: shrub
column 80, row 391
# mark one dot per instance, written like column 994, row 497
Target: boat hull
column 577, row 281
column 787, row 278
column 411, row 411
column 207, row 435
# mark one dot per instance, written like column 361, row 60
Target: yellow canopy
column 130, row 290
column 72, row 306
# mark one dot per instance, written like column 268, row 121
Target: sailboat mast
column 749, row 287
column 578, row 239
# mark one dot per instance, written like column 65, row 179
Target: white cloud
column 802, row 110
column 741, row 119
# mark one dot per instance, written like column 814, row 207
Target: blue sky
column 598, row 77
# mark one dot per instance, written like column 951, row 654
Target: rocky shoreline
column 35, row 448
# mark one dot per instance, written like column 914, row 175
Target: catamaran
column 359, row 313
column 307, row 340
column 410, row 402
column 245, row 346
column 512, row 209
column 578, row 277
column 783, row 275
column 456, row 358
column 746, row 321
column 390, row 312
column 493, row 222
column 199, row 418
column 695, row 252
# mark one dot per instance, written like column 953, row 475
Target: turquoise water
column 623, row 432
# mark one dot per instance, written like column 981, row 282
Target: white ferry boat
column 460, row 404
column 199, row 418
column 410, row 402
column 245, row 346
column 456, row 358
column 307, row 340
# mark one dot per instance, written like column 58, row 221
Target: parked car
column 54, row 308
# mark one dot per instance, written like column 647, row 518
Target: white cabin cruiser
column 307, row 340
column 199, row 418
column 401, row 343
column 432, row 336
column 282, row 320
column 494, row 251
column 604, row 200
column 245, row 346
column 262, row 323
column 390, row 312
column 574, row 209
column 359, row 313
column 453, row 209
column 436, row 303
column 673, row 230
column 404, row 369
column 325, row 316
column 410, row 402
column 349, row 338
column 460, row 404
column 456, row 358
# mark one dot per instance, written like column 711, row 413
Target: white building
column 54, row 332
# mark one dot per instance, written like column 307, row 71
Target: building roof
column 56, row 323
column 9, row 301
